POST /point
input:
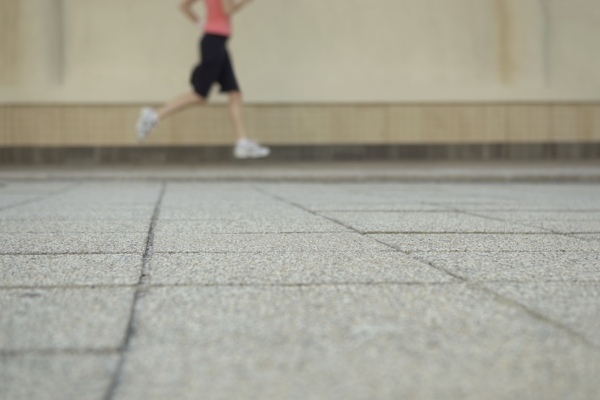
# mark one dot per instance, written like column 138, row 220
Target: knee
column 235, row 97
column 198, row 99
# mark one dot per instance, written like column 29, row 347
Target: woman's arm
column 186, row 8
column 232, row 6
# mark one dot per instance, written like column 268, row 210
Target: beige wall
column 307, row 51
column 307, row 124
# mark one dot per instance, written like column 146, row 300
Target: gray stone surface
column 487, row 242
column 243, row 211
column 419, row 222
column 66, row 213
column 40, row 319
column 69, row 270
column 189, row 242
column 562, row 222
column 56, row 377
column 251, row 224
column 594, row 238
column 11, row 200
column 364, row 197
column 23, row 187
column 351, row 342
column 71, row 226
column 517, row 266
column 290, row 268
column 72, row 242
column 234, row 305
column 573, row 304
column 544, row 216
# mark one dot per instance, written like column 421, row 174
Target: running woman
column 215, row 66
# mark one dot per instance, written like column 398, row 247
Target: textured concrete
column 576, row 305
column 418, row 222
column 486, row 242
column 62, row 376
column 190, row 242
column 55, row 319
column 184, row 288
column 69, row 270
column 516, row 266
column 290, row 268
column 90, row 242
column 253, row 223
column 73, row 226
column 351, row 342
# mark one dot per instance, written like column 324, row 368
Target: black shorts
column 215, row 66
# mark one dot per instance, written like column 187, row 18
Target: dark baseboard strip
column 199, row 154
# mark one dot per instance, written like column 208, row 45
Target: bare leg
column 236, row 113
column 180, row 103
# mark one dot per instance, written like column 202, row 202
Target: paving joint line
column 33, row 289
column 138, row 300
column 478, row 285
column 548, row 231
column 54, row 352
column 314, row 284
column 85, row 253
column 501, row 299
column 64, row 287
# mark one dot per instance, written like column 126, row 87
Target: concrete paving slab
column 366, row 196
column 72, row 243
column 567, row 205
column 290, row 269
column 72, row 226
column 521, row 266
column 56, row 377
column 69, row 270
column 305, row 315
column 11, row 200
column 250, row 224
column 264, row 243
column 413, row 222
column 592, row 237
column 37, row 188
column 543, row 216
column 562, row 222
column 351, row 342
column 242, row 211
column 571, row 226
column 57, row 319
column 64, row 213
column 487, row 242
column 573, row 304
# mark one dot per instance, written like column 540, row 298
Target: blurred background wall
column 74, row 72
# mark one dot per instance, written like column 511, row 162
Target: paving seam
column 316, row 284
column 43, row 197
column 33, row 289
column 474, row 285
column 61, row 287
column 54, row 352
column 390, row 250
column 138, row 300
column 548, row 231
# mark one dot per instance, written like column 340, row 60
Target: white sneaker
column 147, row 121
column 245, row 148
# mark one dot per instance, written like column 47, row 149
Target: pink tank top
column 217, row 22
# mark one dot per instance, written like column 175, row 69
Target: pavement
column 322, row 281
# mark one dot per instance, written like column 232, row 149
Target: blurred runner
column 215, row 66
